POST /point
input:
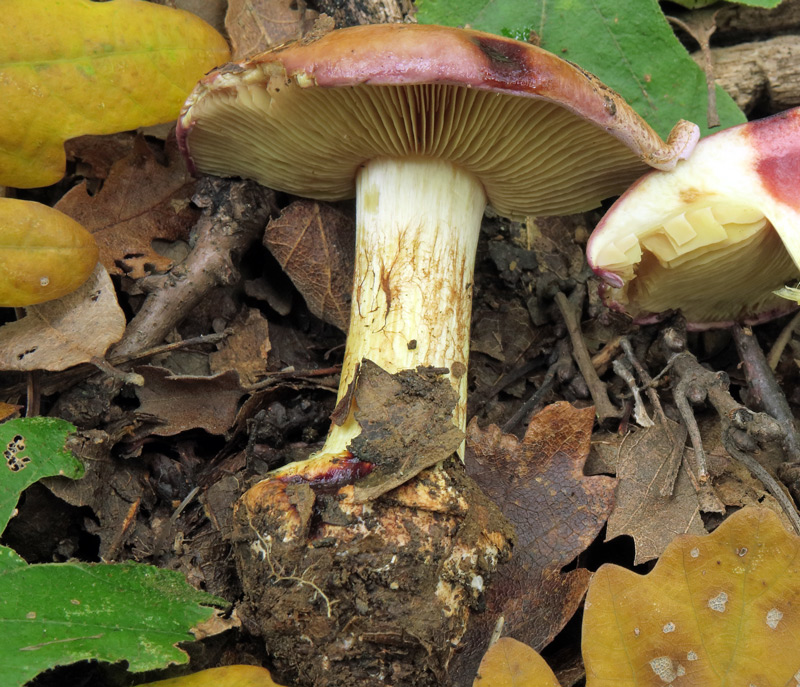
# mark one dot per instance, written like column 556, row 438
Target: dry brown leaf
column 8, row 411
column 256, row 25
column 184, row 403
column 67, row 331
column 246, row 349
column 315, row 245
column 141, row 200
column 653, row 520
column 557, row 511
column 94, row 156
column 504, row 335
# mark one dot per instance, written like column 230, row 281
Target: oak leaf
column 141, row 200
column 539, row 485
column 717, row 609
column 509, row 663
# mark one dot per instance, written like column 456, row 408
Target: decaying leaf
column 315, row 245
column 406, row 425
column 64, row 332
column 78, row 67
column 225, row 676
column 257, row 25
column 509, row 663
column 653, row 503
column 141, row 200
column 184, row 402
column 716, row 610
column 43, row 253
column 539, row 485
column 246, row 349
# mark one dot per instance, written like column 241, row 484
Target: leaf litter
column 142, row 506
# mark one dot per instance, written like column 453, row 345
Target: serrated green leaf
column 60, row 613
column 628, row 44
column 32, row 448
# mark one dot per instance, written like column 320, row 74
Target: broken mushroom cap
column 423, row 125
column 44, row 254
column 714, row 238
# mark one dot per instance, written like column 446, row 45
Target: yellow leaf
column 720, row 609
column 509, row 663
column 43, row 253
column 74, row 67
column 227, row 676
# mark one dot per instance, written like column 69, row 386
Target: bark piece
column 766, row 73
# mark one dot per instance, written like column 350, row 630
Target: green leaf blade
column 32, row 448
column 60, row 613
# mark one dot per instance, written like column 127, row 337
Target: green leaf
column 32, row 448
column 60, row 613
column 696, row 4
column 628, row 44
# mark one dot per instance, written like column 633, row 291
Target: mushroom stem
column 418, row 222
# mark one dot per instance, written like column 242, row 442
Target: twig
column 570, row 311
column 765, row 391
column 782, row 341
column 234, row 215
column 538, row 395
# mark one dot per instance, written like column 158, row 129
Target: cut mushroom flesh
column 710, row 238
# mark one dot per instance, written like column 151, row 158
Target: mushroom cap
column 44, row 254
column 715, row 237
column 304, row 118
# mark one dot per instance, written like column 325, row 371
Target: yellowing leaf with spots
column 509, row 663
column 720, row 609
column 74, row 67
column 226, row 676
column 44, row 254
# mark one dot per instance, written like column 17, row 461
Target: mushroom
column 716, row 238
column 44, row 254
column 424, row 125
